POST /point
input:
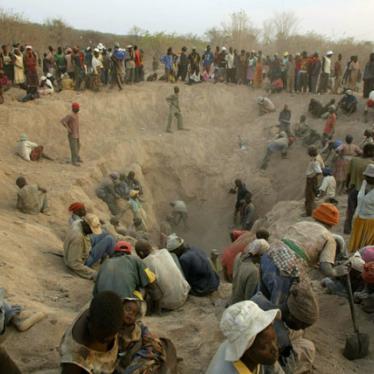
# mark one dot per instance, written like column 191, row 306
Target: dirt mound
column 123, row 131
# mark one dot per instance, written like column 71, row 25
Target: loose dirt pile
column 124, row 131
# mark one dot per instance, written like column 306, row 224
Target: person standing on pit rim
column 174, row 110
column 71, row 123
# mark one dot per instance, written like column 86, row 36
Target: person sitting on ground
column 179, row 212
column 302, row 129
column 81, row 252
column 31, row 199
column 78, row 212
column 90, row 343
column 246, row 274
column 301, row 311
column 140, row 351
column 241, row 192
column 66, row 82
column 133, row 183
column 127, row 276
column 327, row 189
column 172, row 283
column 236, row 247
column 45, row 86
column 251, row 341
column 248, row 213
column 30, row 151
column 279, row 144
column 106, row 192
column 348, row 103
column 265, row 105
column 317, row 109
column 363, row 221
column 196, row 267
column 152, row 77
column 304, row 245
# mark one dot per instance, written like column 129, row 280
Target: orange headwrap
column 368, row 273
column 327, row 213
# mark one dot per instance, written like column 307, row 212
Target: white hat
column 28, row 47
column 173, row 242
column 43, row 78
column 96, row 50
column 258, row 246
column 357, row 262
column 129, row 46
column 49, row 75
column 369, row 171
column 224, row 49
column 329, row 53
column 260, row 99
column 349, row 92
column 285, row 54
column 240, row 324
column 94, row 223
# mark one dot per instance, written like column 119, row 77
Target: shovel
column 357, row 345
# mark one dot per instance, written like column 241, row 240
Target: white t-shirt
column 328, row 186
column 313, row 168
column 170, row 279
column 24, row 148
column 230, row 60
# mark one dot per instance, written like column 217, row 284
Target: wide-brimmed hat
column 369, row 171
column 240, row 324
column 94, row 223
column 173, row 242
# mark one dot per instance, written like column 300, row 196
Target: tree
column 285, row 25
column 57, row 30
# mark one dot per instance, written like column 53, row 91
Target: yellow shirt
column 242, row 369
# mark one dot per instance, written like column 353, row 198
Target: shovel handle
column 351, row 303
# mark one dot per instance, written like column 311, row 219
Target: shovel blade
column 356, row 346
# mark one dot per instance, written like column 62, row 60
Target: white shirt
column 230, row 60
column 313, row 168
column 328, row 186
column 365, row 202
column 371, row 96
column 24, row 148
column 96, row 64
column 327, row 65
column 170, row 279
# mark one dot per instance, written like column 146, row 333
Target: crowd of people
column 77, row 68
column 272, row 300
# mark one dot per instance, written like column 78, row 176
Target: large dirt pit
column 123, row 131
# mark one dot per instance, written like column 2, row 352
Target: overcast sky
column 334, row 18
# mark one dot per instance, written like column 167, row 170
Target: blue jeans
column 102, row 246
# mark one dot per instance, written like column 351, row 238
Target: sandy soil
column 123, row 131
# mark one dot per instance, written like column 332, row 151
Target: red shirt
column 232, row 250
column 330, row 124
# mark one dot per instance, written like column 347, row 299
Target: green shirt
column 122, row 275
column 356, row 168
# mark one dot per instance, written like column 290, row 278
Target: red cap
column 75, row 106
column 75, row 207
column 123, row 246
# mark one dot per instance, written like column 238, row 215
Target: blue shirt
column 198, row 271
column 167, row 60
